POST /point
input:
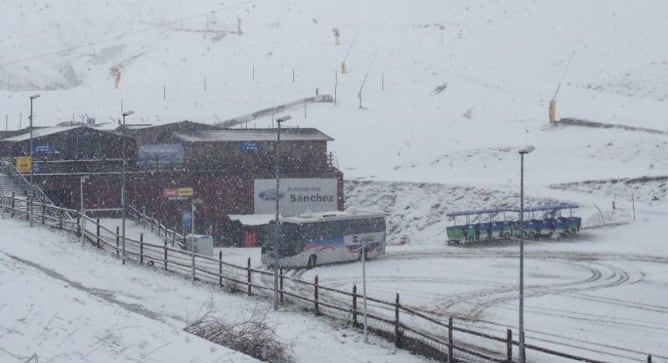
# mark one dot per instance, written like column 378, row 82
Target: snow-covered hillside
column 450, row 90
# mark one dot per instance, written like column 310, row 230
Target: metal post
column 123, row 211
column 521, row 328
column 522, row 152
column 83, row 211
column 32, row 191
column 278, row 197
column 30, row 151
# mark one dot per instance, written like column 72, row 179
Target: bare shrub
column 253, row 336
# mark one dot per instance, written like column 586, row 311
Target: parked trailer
column 481, row 225
column 544, row 221
column 547, row 221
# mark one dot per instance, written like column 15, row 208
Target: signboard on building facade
column 160, row 156
column 296, row 196
column 250, row 147
column 43, row 149
column 23, row 164
column 177, row 193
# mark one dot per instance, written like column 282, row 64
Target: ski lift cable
column 563, row 75
column 125, row 35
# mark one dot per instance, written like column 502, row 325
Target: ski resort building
column 225, row 171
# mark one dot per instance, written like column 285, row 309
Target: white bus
column 313, row 239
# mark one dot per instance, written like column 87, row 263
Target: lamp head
column 128, row 113
column 526, row 149
column 283, row 118
column 34, row 96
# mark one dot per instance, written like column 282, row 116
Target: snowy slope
column 450, row 91
column 449, row 85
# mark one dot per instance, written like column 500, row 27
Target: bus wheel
column 312, row 261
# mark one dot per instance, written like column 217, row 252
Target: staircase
column 13, row 182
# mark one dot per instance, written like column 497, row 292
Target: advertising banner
column 296, row 196
column 177, row 193
column 160, row 156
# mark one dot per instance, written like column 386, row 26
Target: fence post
column 281, row 284
column 165, row 255
column 397, row 338
column 43, row 212
column 28, row 210
column 649, row 358
column 249, row 276
column 220, row 267
column 451, row 349
column 97, row 229
column 354, row 305
column 13, row 202
column 79, row 232
column 141, row 248
column 509, row 346
column 315, row 295
column 60, row 219
column 118, row 249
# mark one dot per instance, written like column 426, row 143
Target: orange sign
column 23, row 164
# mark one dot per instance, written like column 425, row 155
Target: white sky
column 426, row 152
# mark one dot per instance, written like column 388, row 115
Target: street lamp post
column 31, row 161
column 277, row 232
column 123, row 211
column 32, row 170
column 522, row 152
column 83, row 211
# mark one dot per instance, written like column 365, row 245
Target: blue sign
column 36, row 167
column 270, row 194
column 250, row 147
column 186, row 218
column 42, row 149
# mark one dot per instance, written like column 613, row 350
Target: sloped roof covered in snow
column 39, row 132
column 287, row 134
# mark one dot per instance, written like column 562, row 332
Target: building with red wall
column 232, row 171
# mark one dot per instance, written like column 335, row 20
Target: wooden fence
column 407, row 327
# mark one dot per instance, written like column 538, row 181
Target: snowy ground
column 599, row 295
column 450, row 91
column 68, row 303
